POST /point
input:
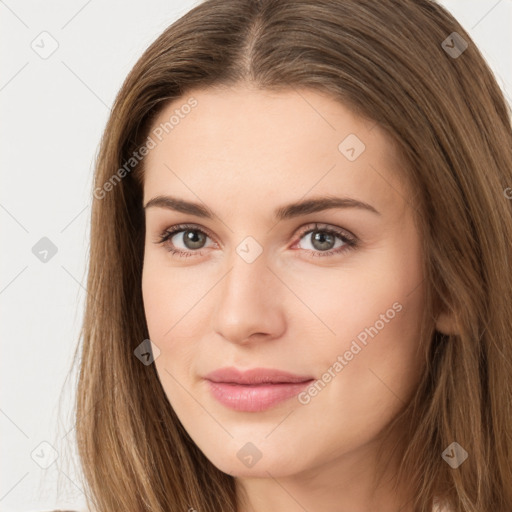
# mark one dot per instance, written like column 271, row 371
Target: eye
column 324, row 240
column 192, row 238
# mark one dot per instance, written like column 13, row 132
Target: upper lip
column 254, row 376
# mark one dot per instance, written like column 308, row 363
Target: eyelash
column 349, row 241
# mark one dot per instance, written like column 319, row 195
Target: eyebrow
column 289, row 211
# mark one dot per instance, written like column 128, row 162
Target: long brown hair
column 398, row 63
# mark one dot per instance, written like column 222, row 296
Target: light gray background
column 53, row 112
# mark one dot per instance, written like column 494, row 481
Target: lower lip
column 254, row 398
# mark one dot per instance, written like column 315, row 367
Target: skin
column 244, row 153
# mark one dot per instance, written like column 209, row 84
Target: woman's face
column 253, row 285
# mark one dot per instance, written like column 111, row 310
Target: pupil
column 323, row 238
column 191, row 236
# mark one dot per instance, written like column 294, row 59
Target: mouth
column 255, row 397
column 232, row 375
column 254, row 390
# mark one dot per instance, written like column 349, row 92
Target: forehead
column 248, row 146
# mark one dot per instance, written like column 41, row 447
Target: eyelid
column 168, row 233
column 321, row 226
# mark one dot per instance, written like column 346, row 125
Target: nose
column 249, row 303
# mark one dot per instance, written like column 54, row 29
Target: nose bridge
column 248, row 300
column 247, row 279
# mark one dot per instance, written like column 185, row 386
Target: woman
column 299, row 287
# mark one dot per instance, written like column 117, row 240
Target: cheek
column 375, row 355
column 169, row 295
column 171, row 306
column 377, row 293
column 367, row 372
column 174, row 329
column 157, row 300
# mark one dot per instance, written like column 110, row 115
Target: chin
column 240, row 464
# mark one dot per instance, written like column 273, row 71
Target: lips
column 254, row 390
column 255, row 376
